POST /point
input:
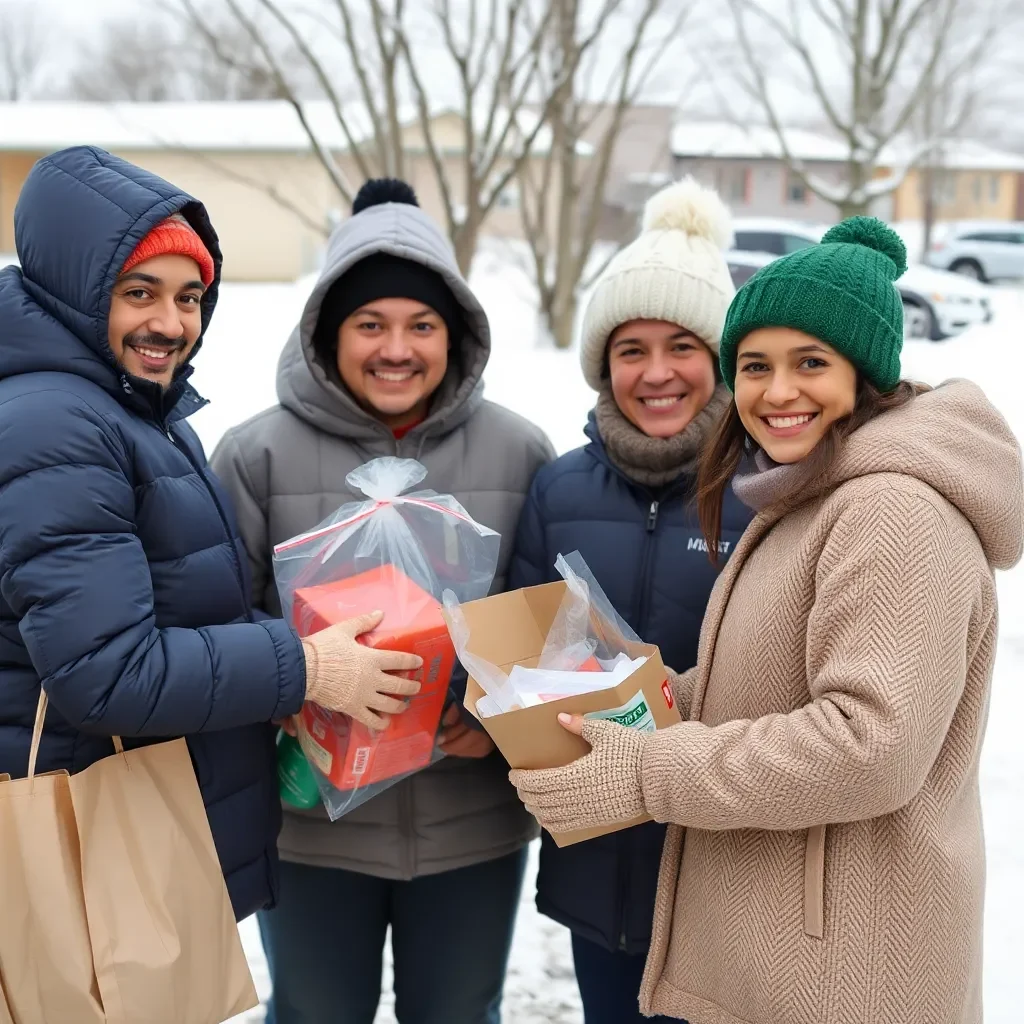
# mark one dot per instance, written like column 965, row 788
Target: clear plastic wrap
column 586, row 649
column 399, row 553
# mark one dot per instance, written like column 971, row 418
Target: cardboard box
column 510, row 629
column 346, row 752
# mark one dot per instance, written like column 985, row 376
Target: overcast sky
column 77, row 22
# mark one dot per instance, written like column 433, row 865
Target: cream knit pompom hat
column 674, row 271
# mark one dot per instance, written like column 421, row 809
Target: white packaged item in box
column 534, row 686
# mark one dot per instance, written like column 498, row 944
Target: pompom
column 378, row 191
column 873, row 233
column 688, row 206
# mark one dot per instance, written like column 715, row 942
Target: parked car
column 936, row 304
column 983, row 250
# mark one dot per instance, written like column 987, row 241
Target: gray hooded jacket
column 286, row 469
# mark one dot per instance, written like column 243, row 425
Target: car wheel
column 968, row 268
column 917, row 321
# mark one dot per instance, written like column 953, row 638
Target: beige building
column 971, row 181
column 745, row 164
column 269, row 196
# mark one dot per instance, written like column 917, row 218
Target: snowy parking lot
column 236, row 371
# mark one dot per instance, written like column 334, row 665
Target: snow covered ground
column 236, row 371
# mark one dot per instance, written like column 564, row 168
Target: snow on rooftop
column 725, row 140
column 970, row 155
column 265, row 125
column 269, row 125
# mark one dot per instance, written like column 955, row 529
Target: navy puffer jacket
column 645, row 548
column 123, row 584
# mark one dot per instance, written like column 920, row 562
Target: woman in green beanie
column 826, row 771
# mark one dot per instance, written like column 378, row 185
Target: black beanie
column 383, row 276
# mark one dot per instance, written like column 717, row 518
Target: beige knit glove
column 601, row 787
column 682, row 689
column 343, row 675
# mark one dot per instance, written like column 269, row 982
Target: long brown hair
column 730, row 442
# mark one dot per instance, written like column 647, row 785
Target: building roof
column 725, row 140
column 265, row 125
column 970, row 155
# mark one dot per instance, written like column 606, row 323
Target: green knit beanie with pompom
column 841, row 291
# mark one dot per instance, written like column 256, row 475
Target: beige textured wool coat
column 831, row 870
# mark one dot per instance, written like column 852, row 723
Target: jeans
column 450, row 935
column 610, row 984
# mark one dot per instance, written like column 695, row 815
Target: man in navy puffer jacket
column 123, row 582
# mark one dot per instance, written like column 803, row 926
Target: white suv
column 986, row 251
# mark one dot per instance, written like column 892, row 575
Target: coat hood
column 307, row 388
column 955, row 441
column 80, row 215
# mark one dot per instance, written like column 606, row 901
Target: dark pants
column 450, row 935
column 609, row 984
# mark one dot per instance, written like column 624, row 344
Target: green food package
column 295, row 781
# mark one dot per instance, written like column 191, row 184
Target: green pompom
column 873, row 233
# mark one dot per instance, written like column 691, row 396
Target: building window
column 976, row 188
column 796, row 190
column 733, row 183
column 947, row 188
column 942, row 184
column 508, row 198
column 994, row 182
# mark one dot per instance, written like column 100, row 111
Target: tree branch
column 425, row 120
column 334, row 172
column 271, row 191
column 795, row 42
column 367, row 92
column 599, row 176
column 323, row 79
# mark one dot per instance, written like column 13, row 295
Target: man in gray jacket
column 388, row 359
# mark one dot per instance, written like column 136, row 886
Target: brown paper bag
column 5, row 1010
column 114, row 907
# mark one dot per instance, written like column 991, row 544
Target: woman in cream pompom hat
column 675, row 272
column 625, row 501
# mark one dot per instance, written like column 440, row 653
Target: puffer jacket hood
column 65, row 207
column 304, row 385
column 955, row 441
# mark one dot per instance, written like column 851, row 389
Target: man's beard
column 157, row 341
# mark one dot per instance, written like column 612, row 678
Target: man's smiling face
column 155, row 317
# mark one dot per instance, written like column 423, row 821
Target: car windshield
column 794, row 243
column 775, row 243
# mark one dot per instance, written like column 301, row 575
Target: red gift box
column 346, row 752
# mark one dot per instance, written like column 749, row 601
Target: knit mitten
column 602, row 787
column 343, row 675
column 682, row 685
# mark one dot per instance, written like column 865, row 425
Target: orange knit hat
column 173, row 237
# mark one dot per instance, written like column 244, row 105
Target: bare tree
column 868, row 66
column 950, row 108
column 379, row 63
column 159, row 59
column 130, row 61
column 22, row 50
column 563, row 193
column 225, row 63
